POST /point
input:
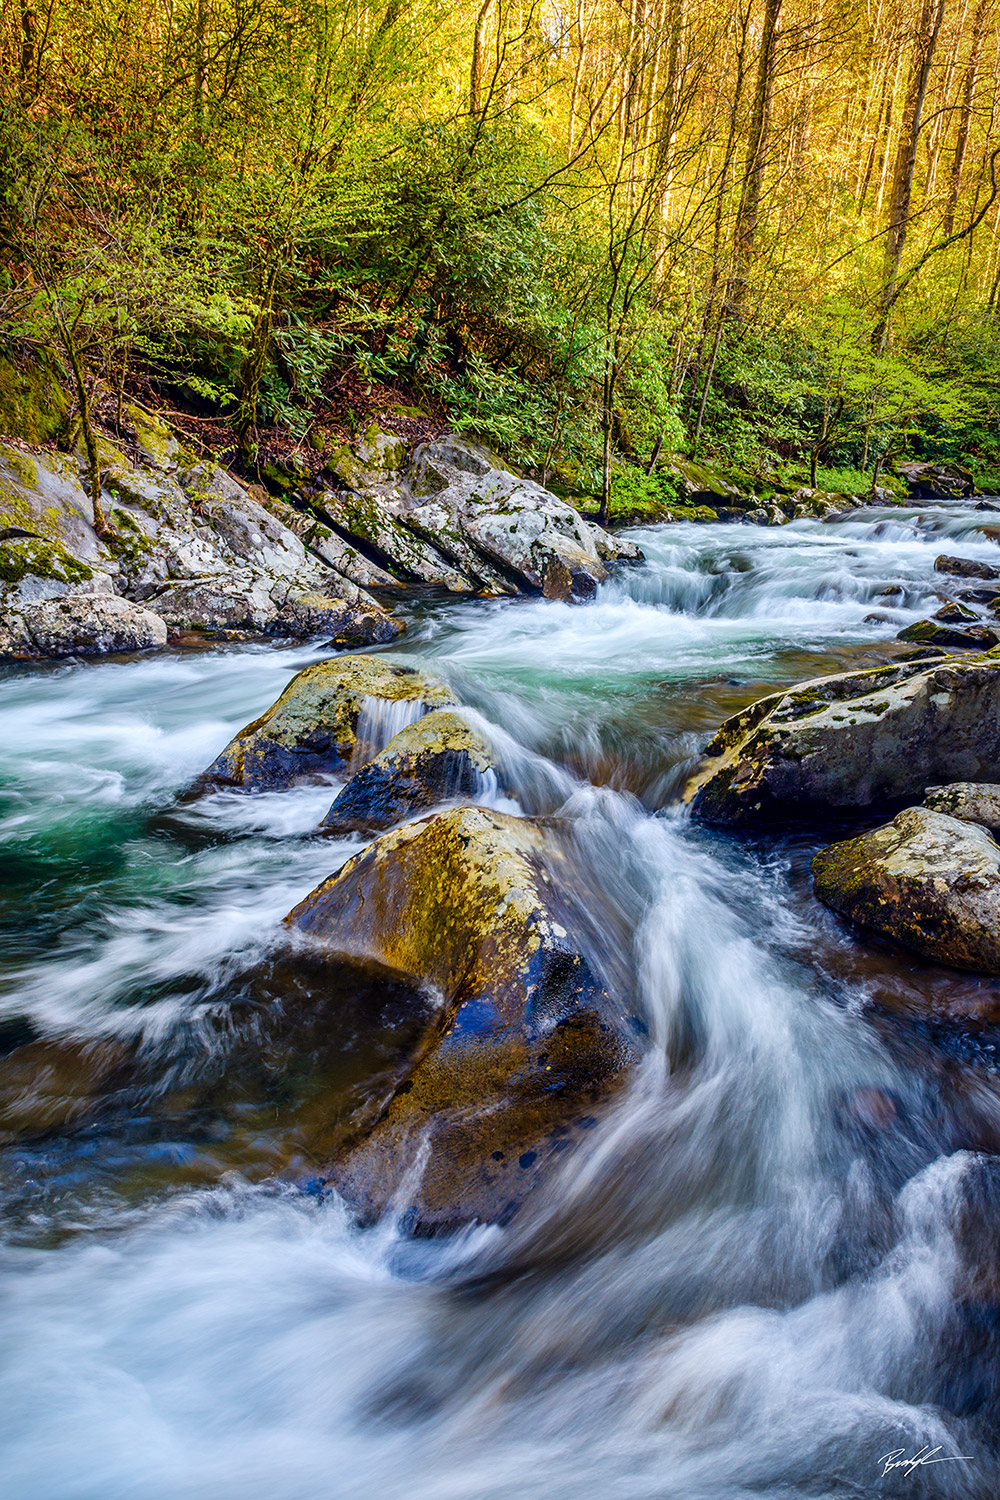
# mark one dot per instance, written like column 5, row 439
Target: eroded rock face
column 926, row 880
column 315, row 727
column 435, row 759
column 970, row 801
column 526, row 1044
column 854, row 740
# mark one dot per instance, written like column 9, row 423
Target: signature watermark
column 896, row 1459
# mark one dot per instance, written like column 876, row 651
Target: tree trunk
column 965, row 118
column 932, row 13
column 476, row 69
column 748, row 213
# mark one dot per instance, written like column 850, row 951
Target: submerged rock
column 971, row 801
column 315, row 727
column 854, row 740
column 928, row 881
column 526, row 1043
column 435, row 759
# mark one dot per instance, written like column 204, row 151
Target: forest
column 588, row 233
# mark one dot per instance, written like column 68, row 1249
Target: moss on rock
column 437, row 758
column 526, row 1043
column 312, row 729
column 33, row 405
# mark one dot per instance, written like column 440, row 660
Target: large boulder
column 438, row 758
column 928, row 881
column 854, row 740
column 458, row 519
column 935, row 480
column 332, row 713
column 79, row 624
column 526, row 1043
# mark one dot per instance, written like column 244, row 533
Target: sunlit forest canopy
column 585, row 233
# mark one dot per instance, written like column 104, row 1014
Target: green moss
column 33, row 405
column 40, row 557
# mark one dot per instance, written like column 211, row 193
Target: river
column 751, row 1286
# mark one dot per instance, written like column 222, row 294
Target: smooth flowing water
column 757, row 1284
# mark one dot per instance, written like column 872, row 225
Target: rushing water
column 761, row 1280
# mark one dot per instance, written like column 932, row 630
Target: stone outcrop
column 318, row 725
column 525, row 1043
column 927, row 880
column 458, row 519
column 186, row 542
column 438, row 758
column 854, row 740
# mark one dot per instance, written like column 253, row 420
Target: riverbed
column 747, row 1288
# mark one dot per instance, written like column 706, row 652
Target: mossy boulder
column 438, row 758
column 314, row 727
column 703, row 484
column 938, row 633
column 928, row 881
column 526, row 1044
column 854, row 740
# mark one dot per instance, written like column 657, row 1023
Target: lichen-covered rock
column 316, row 725
column 700, row 484
column 437, row 758
column 526, row 1043
column 82, row 625
column 970, row 801
column 817, row 504
column 936, row 633
column 965, row 567
column 41, row 493
column 854, row 740
column 928, row 881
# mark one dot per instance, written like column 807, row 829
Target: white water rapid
column 756, row 1285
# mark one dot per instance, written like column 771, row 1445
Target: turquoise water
column 753, row 1287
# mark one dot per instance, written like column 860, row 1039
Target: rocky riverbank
column 188, row 551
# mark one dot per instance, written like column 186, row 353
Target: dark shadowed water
column 777, row 1264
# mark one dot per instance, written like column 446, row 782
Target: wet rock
column 970, row 801
column 953, row 613
column 965, row 567
column 854, row 740
column 373, row 519
column 928, row 881
column 314, row 727
column 980, row 596
column 82, row 625
column 526, row 1044
column 700, row 484
column 931, row 633
column 437, row 758
column 936, row 481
